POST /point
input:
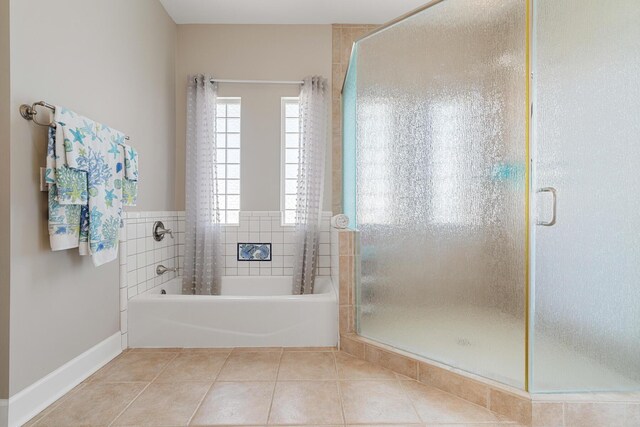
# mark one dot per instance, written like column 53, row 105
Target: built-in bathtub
column 252, row 311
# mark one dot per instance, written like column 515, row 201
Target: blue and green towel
column 88, row 185
column 130, row 183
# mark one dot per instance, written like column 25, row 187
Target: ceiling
column 287, row 11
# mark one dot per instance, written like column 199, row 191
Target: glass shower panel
column 586, row 322
column 440, row 186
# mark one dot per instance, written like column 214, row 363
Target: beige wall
column 269, row 52
column 113, row 61
column 4, row 196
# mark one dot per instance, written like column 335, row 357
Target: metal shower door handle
column 554, row 198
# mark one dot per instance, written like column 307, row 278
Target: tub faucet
column 159, row 231
column 161, row 269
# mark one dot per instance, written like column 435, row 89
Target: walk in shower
column 491, row 159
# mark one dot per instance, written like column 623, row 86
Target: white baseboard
column 4, row 412
column 27, row 403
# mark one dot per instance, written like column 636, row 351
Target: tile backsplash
column 266, row 227
column 144, row 254
column 140, row 254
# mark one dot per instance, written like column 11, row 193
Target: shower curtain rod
column 276, row 82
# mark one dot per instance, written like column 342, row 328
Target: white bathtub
column 253, row 311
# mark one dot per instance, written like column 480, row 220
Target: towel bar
column 29, row 112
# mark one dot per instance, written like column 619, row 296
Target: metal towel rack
column 29, row 112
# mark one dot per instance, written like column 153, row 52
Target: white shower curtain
column 313, row 128
column 203, row 260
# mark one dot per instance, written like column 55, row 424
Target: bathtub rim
column 330, row 294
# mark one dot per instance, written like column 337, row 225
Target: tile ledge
column 595, row 397
column 485, row 381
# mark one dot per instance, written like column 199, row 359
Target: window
column 228, row 158
column 290, row 158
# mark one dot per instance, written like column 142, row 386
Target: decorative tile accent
column 254, row 252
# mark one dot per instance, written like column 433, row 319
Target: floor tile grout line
column 52, row 407
column 87, row 381
column 128, row 405
column 226, row 359
column 90, row 380
column 195, row 411
column 164, row 368
column 338, row 386
column 273, row 392
column 408, row 396
column 208, row 390
column 143, row 390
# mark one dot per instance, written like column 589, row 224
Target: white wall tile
column 289, row 236
column 131, row 263
column 289, row 249
column 288, row 261
column 324, row 249
column 132, row 278
column 265, row 236
column 132, row 292
column 265, row 225
column 142, row 275
column 131, row 247
column 230, row 249
column 140, row 230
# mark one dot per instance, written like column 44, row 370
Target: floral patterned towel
column 130, row 183
column 66, row 220
column 85, row 172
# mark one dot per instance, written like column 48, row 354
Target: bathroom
column 415, row 213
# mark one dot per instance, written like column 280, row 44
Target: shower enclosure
column 491, row 158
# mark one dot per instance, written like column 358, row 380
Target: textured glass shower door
column 440, row 186
column 586, row 295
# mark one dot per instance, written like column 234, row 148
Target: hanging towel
column 94, row 153
column 130, row 183
column 68, row 223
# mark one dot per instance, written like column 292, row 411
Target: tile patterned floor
column 258, row 387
